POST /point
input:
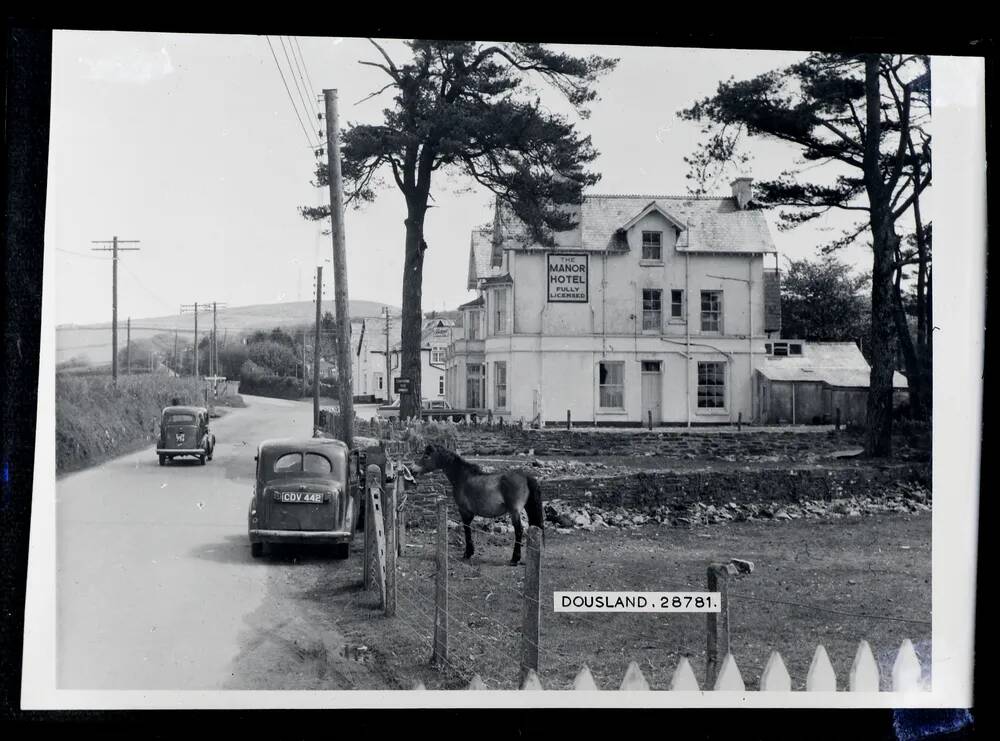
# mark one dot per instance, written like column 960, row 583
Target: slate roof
column 838, row 364
column 713, row 224
column 480, row 257
column 480, row 301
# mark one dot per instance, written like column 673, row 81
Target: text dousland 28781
column 636, row 601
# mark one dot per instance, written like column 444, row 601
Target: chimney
column 741, row 192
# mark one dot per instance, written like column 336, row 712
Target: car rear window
column 293, row 463
column 180, row 419
column 288, row 463
column 316, row 463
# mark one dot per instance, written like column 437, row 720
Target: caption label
column 636, row 601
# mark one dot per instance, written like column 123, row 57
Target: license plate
column 298, row 497
column 180, row 437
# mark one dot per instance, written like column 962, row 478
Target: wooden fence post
column 369, row 533
column 717, row 623
column 530, row 622
column 400, row 496
column 649, row 415
column 390, row 515
column 440, row 657
column 836, row 425
column 739, row 422
column 569, row 420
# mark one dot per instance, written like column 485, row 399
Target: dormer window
column 652, row 246
column 783, row 349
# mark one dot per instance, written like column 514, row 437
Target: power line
column 307, row 107
column 304, row 66
column 81, row 254
column 289, row 92
column 144, row 287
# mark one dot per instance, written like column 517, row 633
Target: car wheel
column 342, row 551
column 256, row 550
column 163, row 460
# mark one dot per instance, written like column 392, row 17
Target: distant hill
column 91, row 343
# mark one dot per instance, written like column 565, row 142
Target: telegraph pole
column 319, row 300
column 214, row 358
column 186, row 309
column 128, row 346
column 175, row 352
column 346, row 387
column 114, row 249
column 388, row 373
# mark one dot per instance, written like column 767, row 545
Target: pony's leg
column 515, row 520
column 467, row 526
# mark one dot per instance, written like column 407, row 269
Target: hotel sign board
column 568, row 278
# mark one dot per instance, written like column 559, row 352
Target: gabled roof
column 838, row 364
column 650, row 207
column 706, row 225
column 480, row 255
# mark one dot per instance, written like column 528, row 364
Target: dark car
column 184, row 432
column 306, row 491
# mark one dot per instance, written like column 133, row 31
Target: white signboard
column 567, row 276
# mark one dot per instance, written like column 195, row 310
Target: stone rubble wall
column 647, row 491
column 802, row 446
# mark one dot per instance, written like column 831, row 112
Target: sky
column 190, row 144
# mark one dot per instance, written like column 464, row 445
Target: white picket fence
column 863, row 676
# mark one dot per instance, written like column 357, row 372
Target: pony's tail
column 534, row 505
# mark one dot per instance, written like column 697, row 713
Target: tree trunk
column 911, row 360
column 413, row 270
column 884, row 247
column 924, row 360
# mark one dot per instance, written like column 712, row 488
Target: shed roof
column 838, row 364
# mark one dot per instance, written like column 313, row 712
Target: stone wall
column 644, row 490
column 738, row 446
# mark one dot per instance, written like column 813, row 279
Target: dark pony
column 486, row 494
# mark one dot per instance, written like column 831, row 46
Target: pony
column 485, row 494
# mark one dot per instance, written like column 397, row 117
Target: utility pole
column 345, row 385
column 114, row 249
column 176, row 364
column 214, row 348
column 186, row 309
column 388, row 373
column 128, row 346
column 303, row 362
column 319, row 300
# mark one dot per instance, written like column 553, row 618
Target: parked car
column 184, row 432
column 307, row 490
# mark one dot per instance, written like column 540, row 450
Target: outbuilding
column 808, row 382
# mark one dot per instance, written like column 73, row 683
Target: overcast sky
column 190, row 144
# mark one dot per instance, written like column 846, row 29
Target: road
column 156, row 588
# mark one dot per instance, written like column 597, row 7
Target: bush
column 276, row 387
column 277, row 358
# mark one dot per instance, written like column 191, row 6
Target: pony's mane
column 468, row 465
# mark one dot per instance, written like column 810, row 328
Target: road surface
column 156, row 588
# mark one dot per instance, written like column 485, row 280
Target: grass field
column 829, row 582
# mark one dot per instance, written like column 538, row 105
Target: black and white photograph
column 386, row 372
